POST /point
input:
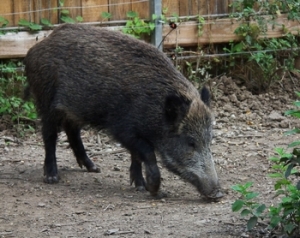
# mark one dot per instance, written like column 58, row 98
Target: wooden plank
column 172, row 7
column 142, row 9
column 219, row 31
column 184, row 8
column 49, row 11
column 92, row 10
column 70, row 5
column 119, row 8
column 203, row 7
column 23, row 10
column 6, row 10
column 14, row 45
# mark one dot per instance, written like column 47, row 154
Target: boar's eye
column 191, row 143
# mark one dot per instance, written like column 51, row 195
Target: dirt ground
column 248, row 128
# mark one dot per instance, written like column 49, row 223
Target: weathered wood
column 220, row 31
column 14, row 45
column 142, row 9
column 119, row 10
column 172, row 7
column 74, row 12
column 90, row 13
column 6, row 10
column 22, row 11
column 48, row 11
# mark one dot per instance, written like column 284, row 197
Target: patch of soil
column 248, row 128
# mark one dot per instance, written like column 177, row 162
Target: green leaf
column 297, row 103
column 292, row 132
column 251, row 223
column 61, row 3
column 294, row 144
column 237, row 205
column 260, row 209
column 294, row 113
column 151, row 26
column 65, row 12
column 35, row 27
column 275, row 220
column 79, row 19
column 279, row 192
column 3, row 21
column 132, row 14
column 298, row 94
column 67, row 19
column 245, row 212
column 289, row 170
column 251, row 195
column 23, row 22
column 46, row 22
column 275, row 175
column 106, row 15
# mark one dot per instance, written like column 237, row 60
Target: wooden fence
column 218, row 27
column 90, row 10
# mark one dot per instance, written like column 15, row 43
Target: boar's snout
column 215, row 195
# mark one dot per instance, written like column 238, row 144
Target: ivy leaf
column 67, row 19
column 46, row 22
column 23, row 22
column 35, row 27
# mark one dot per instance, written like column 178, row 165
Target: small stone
column 275, row 116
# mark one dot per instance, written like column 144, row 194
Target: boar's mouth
column 216, row 195
column 209, row 188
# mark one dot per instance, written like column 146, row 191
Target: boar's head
column 185, row 149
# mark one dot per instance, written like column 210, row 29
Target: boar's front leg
column 73, row 134
column 136, row 174
column 144, row 152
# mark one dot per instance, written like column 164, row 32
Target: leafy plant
column 11, row 90
column 65, row 14
column 31, row 25
column 45, row 22
column 106, row 15
column 3, row 22
column 263, row 64
column 247, row 204
column 286, row 214
column 136, row 26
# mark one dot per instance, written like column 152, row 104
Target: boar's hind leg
column 136, row 174
column 73, row 133
column 49, row 131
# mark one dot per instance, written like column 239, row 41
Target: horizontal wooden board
column 14, row 45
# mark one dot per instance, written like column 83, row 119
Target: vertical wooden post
column 156, row 36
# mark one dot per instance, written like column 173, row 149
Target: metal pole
column 156, row 36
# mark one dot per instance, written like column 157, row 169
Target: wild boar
column 82, row 75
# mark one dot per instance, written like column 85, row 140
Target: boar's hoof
column 51, row 179
column 140, row 188
column 94, row 169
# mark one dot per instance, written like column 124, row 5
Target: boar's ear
column 205, row 96
column 176, row 108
